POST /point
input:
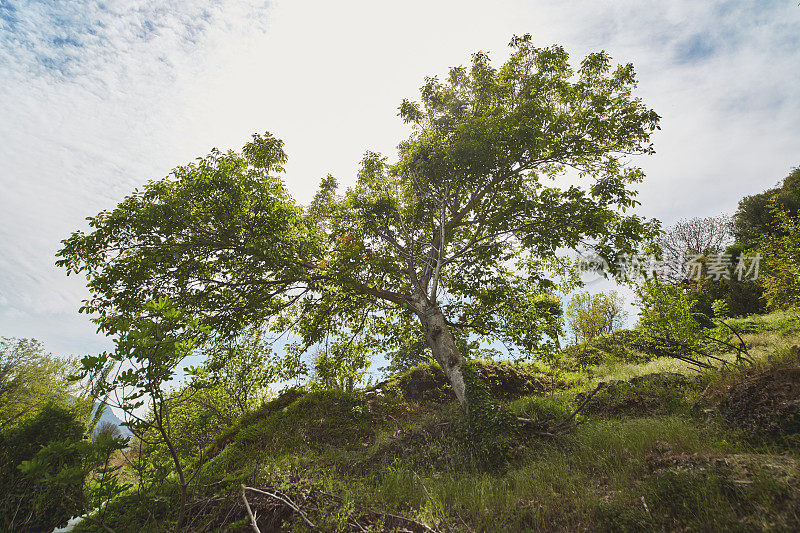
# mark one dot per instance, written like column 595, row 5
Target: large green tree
column 504, row 166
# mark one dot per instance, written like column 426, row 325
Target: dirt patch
column 765, row 401
column 650, row 394
column 740, row 468
column 426, row 384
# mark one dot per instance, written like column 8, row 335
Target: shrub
column 41, row 494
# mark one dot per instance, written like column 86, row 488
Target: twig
column 249, row 511
column 285, row 500
column 360, row 527
column 551, row 431
column 582, row 405
column 406, row 519
column 99, row 523
column 644, row 503
column 741, row 340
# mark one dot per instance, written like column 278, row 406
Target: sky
column 98, row 97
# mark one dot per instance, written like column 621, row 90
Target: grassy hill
column 657, row 445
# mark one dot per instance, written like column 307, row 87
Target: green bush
column 48, row 493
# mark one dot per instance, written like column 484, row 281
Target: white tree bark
column 443, row 345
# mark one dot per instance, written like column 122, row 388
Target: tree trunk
column 443, row 345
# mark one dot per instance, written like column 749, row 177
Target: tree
column 693, row 237
column 30, row 378
column 594, row 315
column 44, row 464
column 151, row 342
column 780, row 266
column 756, row 216
column 669, row 319
column 705, row 241
column 454, row 235
column 242, row 367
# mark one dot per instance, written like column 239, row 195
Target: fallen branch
column 285, row 500
column 582, row 405
column 553, row 430
column 249, row 511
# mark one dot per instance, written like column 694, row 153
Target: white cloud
column 96, row 98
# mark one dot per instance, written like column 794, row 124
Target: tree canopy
column 451, row 240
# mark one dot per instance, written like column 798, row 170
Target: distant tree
column 107, row 428
column 30, row 378
column 704, row 242
column 779, row 271
column 687, row 239
column 242, row 367
column 594, row 315
column 455, row 235
column 756, row 216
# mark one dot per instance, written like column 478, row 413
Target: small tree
column 149, row 348
column 668, row 318
column 242, row 368
column 779, row 270
column 593, row 315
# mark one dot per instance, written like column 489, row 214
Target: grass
column 645, row 458
column 555, row 485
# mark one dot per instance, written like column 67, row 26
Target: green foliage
column 593, row 315
column 314, row 422
column 341, row 366
column 195, row 418
column 663, row 393
column 741, row 297
column 669, row 318
column 44, row 463
column 490, row 429
column 622, row 345
column 720, row 308
column 239, row 370
column 780, row 264
column 149, row 347
column 31, row 378
column 30, row 501
column 757, row 218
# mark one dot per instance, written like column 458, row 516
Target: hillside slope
column 657, row 446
